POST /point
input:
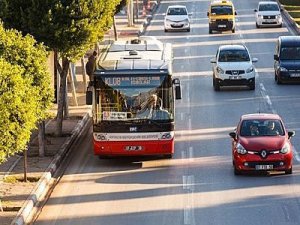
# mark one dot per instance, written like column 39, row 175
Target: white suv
column 233, row 66
column 177, row 18
column 268, row 14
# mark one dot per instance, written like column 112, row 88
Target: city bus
column 133, row 95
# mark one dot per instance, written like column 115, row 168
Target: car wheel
column 289, row 171
column 278, row 80
column 257, row 25
column 188, row 30
column 252, row 85
column 210, row 31
column 233, row 30
column 237, row 171
column 280, row 25
column 216, row 85
column 166, row 30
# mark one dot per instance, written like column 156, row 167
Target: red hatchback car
column 261, row 143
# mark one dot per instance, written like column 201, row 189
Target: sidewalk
column 19, row 199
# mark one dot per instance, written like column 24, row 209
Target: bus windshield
column 126, row 98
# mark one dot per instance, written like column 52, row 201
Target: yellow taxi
column 221, row 16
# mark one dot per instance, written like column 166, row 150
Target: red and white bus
column 133, row 96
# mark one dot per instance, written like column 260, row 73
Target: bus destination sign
column 133, row 81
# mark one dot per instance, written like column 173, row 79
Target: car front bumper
column 274, row 162
column 177, row 25
column 269, row 22
column 222, row 25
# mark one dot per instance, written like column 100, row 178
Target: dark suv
column 287, row 59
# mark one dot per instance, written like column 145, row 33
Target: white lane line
column 296, row 154
column 191, row 153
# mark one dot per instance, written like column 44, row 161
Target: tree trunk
column 41, row 136
column 25, row 163
column 130, row 13
column 62, row 94
column 115, row 29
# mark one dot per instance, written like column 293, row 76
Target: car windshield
column 268, row 7
column 234, row 56
column 264, row 127
column 221, row 10
column 290, row 53
column 176, row 11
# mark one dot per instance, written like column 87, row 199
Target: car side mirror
column 276, row 57
column 291, row 134
column 254, row 60
column 232, row 135
column 235, row 13
column 190, row 14
column 255, row 10
column 207, row 13
column 281, row 9
column 213, row 60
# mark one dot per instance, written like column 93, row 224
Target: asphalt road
column 197, row 186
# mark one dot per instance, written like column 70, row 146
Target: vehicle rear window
column 262, row 128
column 290, row 53
column 222, row 10
column 177, row 11
column 233, row 56
column 268, row 7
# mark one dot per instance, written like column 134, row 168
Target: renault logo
column 263, row 153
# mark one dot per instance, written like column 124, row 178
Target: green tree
column 25, row 93
column 68, row 27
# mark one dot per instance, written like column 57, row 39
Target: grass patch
column 17, row 179
column 295, row 14
column 291, row 8
column 290, row 2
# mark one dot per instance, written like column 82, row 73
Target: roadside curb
column 26, row 213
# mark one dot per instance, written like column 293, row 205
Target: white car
column 177, row 18
column 268, row 14
column 233, row 66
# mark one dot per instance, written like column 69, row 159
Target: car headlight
column 260, row 16
column 282, row 69
column 186, row 21
column 212, row 20
column 250, row 69
column 278, row 16
column 240, row 149
column 168, row 21
column 285, row 149
column 219, row 70
column 230, row 20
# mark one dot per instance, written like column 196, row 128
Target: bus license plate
column 133, row 148
column 264, row 167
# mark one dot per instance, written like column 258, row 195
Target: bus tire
column 168, row 156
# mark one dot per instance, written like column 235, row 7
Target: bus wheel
column 168, row 156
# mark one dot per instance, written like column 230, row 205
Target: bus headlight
column 167, row 136
column 99, row 137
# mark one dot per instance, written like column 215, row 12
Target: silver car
column 268, row 14
column 177, row 18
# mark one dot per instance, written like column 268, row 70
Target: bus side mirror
column 176, row 82
column 89, row 97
